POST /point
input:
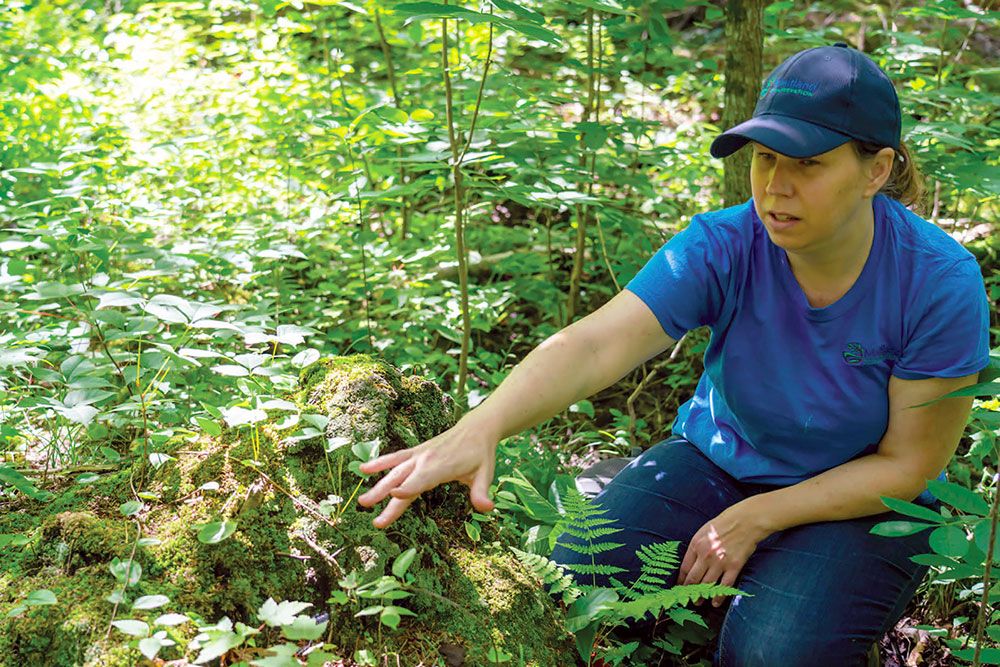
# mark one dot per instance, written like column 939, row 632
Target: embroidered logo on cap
column 794, row 86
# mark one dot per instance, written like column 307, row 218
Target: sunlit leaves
column 150, row 602
column 132, row 627
column 276, row 614
column 215, row 531
column 237, row 416
column 127, row 572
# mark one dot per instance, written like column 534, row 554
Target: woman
column 834, row 311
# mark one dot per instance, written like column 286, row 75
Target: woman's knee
column 765, row 642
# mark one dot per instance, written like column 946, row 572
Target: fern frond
column 550, row 573
column 591, row 549
column 656, row 603
column 586, row 568
column 582, row 519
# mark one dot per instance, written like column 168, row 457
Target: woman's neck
column 825, row 274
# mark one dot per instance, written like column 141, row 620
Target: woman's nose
column 778, row 182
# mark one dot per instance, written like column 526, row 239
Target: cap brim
column 784, row 134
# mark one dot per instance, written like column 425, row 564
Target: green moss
column 68, row 633
column 283, row 548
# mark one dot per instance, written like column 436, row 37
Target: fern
column 656, row 603
column 551, row 574
column 583, row 519
column 658, row 561
column 649, row 593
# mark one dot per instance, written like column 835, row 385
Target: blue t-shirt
column 789, row 390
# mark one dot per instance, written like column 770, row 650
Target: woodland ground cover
column 202, row 201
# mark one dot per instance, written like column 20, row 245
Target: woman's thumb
column 479, row 493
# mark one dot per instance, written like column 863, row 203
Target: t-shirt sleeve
column 950, row 332
column 685, row 283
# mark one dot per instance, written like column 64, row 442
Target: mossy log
column 469, row 597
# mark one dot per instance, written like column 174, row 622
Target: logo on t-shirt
column 855, row 354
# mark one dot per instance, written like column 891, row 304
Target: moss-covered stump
column 287, row 485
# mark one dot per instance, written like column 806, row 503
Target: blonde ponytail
column 906, row 182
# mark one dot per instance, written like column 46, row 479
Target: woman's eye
column 765, row 156
column 809, row 163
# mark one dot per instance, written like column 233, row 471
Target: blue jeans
column 822, row 592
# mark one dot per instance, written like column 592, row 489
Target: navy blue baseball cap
column 817, row 100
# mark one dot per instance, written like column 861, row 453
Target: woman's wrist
column 482, row 422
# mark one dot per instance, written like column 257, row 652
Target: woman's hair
column 906, row 182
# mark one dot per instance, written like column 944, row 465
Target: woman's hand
column 721, row 548
column 466, row 452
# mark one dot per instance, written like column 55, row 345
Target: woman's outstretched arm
column 570, row 365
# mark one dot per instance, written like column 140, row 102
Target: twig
column 981, row 618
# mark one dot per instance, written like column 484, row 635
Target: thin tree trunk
column 581, row 210
column 744, row 52
column 457, row 156
column 387, row 53
column 463, row 269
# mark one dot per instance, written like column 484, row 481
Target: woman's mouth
column 781, row 220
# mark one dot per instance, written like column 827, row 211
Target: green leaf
column 13, row 540
column 472, row 530
column 216, row 531
column 899, row 528
column 127, row 572
column 12, row 478
column 949, row 541
column 111, row 455
column 78, row 414
column 912, row 509
column 366, row 450
column 305, row 358
column 304, row 628
column 170, row 620
column 390, row 617
column 981, row 536
column 333, row 444
column 959, row 497
column 403, row 562
column 589, row 607
column 150, row 602
column 520, row 10
column 130, row 508
column 283, row 655
column 150, row 646
column 132, row 627
column 990, row 389
column 40, row 597
column 209, row 426
column 17, row 611
column 987, row 656
column 277, row 614
column 157, row 459
column 237, row 416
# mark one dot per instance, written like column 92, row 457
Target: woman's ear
column 879, row 170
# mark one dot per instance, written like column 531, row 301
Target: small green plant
column 594, row 609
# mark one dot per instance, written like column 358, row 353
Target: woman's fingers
column 418, row 482
column 386, row 461
column 697, row 572
column 728, row 579
column 393, row 510
column 375, row 495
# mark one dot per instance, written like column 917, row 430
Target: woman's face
column 815, row 204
